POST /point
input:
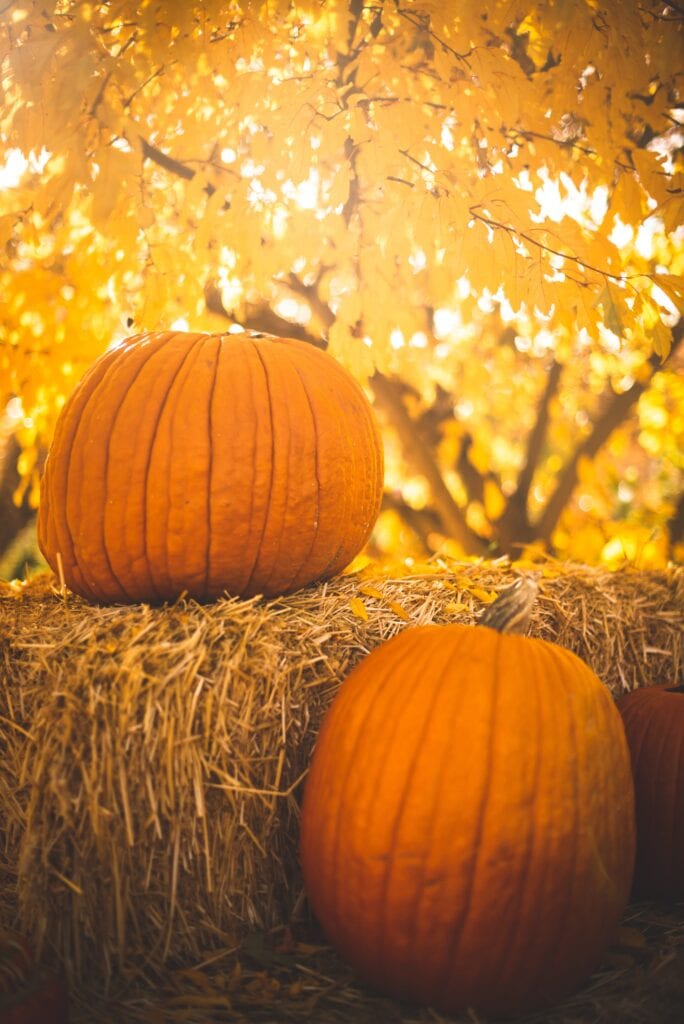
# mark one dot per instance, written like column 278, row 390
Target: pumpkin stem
column 512, row 610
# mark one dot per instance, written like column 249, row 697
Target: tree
column 476, row 208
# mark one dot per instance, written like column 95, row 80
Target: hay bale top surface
column 152, row 756
column 626, row 625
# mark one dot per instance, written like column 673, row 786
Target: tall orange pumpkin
column 207, row 463
column 467, row 827
column 653, row 717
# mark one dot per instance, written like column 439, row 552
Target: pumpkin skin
column 467, row 825
column 653, row 717
column 209, row 463
column 44, row 1000
column 28, row 994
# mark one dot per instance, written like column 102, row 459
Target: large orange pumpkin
column 207, row 463
column 654, row 723
column 467, row 827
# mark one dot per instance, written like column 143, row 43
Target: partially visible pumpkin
column 28, row 994
column 204, row 463
column 467, row 827
column 17, row 962
column 653, row 717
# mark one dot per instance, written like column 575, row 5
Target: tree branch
column 388, row 398
column 535, row 442
column 514, row 525
column 515, row 134
column 260, row 318
column 143, row 85
column 14, row 517
column 421, row 521
column 151, row 152
column 421, row 23
column 675, row 524
column 309, row 292
column 612, row 416
column 471, row 478
column 578, row 261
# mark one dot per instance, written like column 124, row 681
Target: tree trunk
column 13, row 518
column 422, row 459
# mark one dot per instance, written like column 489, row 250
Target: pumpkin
column 467, row 823
column 17, row 962
column 209, row 463
column 653, row 717
column 28, row 994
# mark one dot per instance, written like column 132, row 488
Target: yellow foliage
column 455, row 607
column 636, row 546
column 376, row 164
column 494, row 500
column 358, row 608
column 399, row 610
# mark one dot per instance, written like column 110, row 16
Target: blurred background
column 478, row 216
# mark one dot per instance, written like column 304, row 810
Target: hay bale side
column 150, row 758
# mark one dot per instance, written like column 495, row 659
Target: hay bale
column 150, row 758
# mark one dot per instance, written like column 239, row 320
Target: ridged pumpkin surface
column 208, row 463
column 654, row 722
column 467, row 829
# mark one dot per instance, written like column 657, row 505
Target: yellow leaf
column 661, row 336
column 524, row 564
column 357, row 565
column 672, row 212
column 370, row 591
column 398, row 610
column 673, row 286
column 455, row 607
column 551, row 572
column 651, row 174
column 601, row 253
column 486, row 596
column 628, row 198
column 358, row 608
column 615, row 310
